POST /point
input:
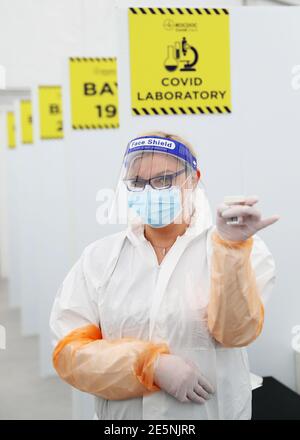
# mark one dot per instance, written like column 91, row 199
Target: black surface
column 275, row 401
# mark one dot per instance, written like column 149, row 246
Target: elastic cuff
column 232, row 244
column 144, row 367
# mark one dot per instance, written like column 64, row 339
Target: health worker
column 154, row 320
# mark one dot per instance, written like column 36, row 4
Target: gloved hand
column 250, row 224
column 181, row 378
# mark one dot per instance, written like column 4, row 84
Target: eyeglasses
column 158, row 182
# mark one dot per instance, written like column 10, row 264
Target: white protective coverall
column 118, row 286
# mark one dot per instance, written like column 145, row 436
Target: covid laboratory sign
column 179, row 61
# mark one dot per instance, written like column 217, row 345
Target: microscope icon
column 181, row 52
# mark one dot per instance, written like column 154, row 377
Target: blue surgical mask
column 157, row 208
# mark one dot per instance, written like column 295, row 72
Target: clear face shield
column 157, row 182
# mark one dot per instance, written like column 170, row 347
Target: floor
column 23, row 394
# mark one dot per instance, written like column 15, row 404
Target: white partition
column 28, row 201
column 13, row 205
column 4, row 242
column 12, row 217
column 269, row 131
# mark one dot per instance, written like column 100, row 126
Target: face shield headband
column 160, row 145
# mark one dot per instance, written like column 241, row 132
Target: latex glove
column 181, row 379
column 250, row 224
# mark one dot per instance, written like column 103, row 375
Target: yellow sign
column 26, row 122
column 179, row 61
column 94, row 96
column 11, row 130
column 51, row 116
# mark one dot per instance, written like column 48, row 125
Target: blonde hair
column 176, row 137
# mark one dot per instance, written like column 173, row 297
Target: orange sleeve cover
column 113, row 369
column 235, row 310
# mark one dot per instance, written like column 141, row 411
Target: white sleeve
column 75, row 304
column 264, row 267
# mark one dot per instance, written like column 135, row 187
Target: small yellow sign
column 26, row 122
column 51, row 115
column 94, row 93
column 11, row 130
column 179, row 61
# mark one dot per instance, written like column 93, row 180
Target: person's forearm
column 113, row 369
column 235, row 311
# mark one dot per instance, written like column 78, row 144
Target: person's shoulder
column 104, row 243
column 100, row 255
